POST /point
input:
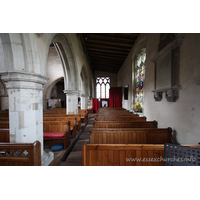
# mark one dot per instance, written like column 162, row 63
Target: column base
column 47, row 158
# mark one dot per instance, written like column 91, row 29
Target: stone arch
column 3, row 89
column 85, row 81
column 49, row 89
column 65, row 50
column 20, row 52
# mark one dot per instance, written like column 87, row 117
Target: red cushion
column 53, row 135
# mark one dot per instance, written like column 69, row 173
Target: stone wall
column 184, row 114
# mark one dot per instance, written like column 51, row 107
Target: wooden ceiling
column 107, row 51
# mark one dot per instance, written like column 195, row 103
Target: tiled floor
column 75, row 157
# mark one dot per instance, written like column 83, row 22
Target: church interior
column 46, row 76
column 100, row 107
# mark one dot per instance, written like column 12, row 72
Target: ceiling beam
column 111, row 43
column 107, row 61
column 102, row 36
column 96, row 53
column 109, row 51
column 99, row 56
column 108, row 47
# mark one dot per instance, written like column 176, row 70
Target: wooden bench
column 73, row 124
column 125, row 154
column 124, row 124
column 131, row 136
column 4, row 135
column 4, row 113
column 117, row 113
column 20, row 154
column 78, row 118
column 122, row 154
column 4, row 124
column 123, row 119
column 57, row 127
column 2, row 119
column 84, row 115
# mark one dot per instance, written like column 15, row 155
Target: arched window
column 102, row 87
column 139, row 75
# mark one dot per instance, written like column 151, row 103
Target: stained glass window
column 102, row 87
column 140, row 62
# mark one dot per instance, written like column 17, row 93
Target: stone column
column 84, row 101
column 71, row 101
column 25, row 93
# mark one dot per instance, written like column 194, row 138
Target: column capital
column 23, row 80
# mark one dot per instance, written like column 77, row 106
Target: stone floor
column 75, row 157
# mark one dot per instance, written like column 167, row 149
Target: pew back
column 120, row 124
column 4, row 124
column 130, row 136
column 57, row 127
column 123, row 119
column 4, row 135
column 122, row 155
column 20, row 154
column 73, row 126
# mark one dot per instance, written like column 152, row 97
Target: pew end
column 20, row 154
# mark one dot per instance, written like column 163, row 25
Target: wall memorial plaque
column 167, row 64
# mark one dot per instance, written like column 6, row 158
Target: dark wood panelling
column 107, row 51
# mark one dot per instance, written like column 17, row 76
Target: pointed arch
column 65, row 50
column 85, row 81
column 21, row 52
column 49, row 89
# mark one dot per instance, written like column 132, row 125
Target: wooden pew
column 4, row 124
column 78, row 118
column 125, row 154
column 122, row 154
column 4, row 113
column 4, row 135
column 84, row 115
column 131, row 136
column 123, row 119
column 20, row 154
column 125, row 124
column 73, row 124
column 2, row 119
column 57, row 127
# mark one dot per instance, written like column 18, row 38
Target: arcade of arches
column 37, row 68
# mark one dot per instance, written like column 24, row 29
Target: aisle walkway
column 75, row 157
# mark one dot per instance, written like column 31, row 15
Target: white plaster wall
column 184, row 114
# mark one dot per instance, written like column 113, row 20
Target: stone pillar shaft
column 84, row 101
column 25, row 93
column 71, row 101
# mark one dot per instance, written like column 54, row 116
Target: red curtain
column 115, row 97
column 95, row 105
